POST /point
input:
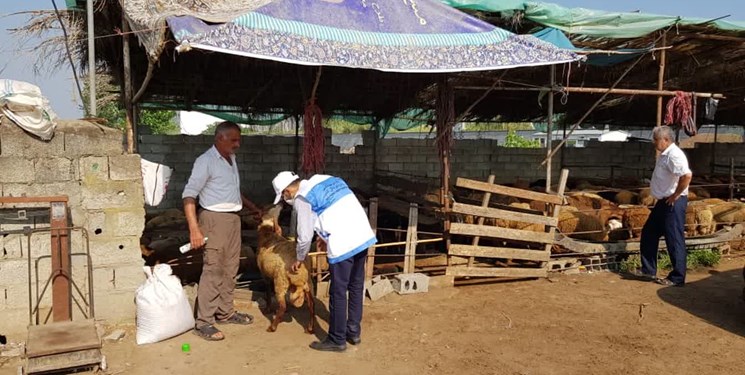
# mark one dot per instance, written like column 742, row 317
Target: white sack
column 163, row 309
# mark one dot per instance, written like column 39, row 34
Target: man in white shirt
column 215, row 181
column 669, row 185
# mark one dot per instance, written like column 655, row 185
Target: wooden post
column 661, row 77
column 61, row 269
column 557, row 207
column 372, row 214
column 714, row 149
column 297, row 143
column 445, row 118
column 549, row 128
column 128, row 108
column 411, row 239
column 731, row 178
column 484, row 203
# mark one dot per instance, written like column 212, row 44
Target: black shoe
column 354, row 340
column 668, row 282
column 328, row 346
column 638, row 274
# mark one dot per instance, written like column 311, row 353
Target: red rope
column 313, row 141
column 680, row 112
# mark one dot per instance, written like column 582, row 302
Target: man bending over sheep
column 214, row 179
column 326, row 205
column 669, row 186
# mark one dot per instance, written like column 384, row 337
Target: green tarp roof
column 595, row 23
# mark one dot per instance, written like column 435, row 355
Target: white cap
column 281, row 182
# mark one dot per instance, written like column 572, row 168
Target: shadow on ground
column 717, row 299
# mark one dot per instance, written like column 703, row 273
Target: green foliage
column 514, row 140
column 160, row 122
column 109, row 107
column 695, row 259
column 496, row 126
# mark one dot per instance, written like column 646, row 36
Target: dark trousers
column 668, row 221
column 345, row 315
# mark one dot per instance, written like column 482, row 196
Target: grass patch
column 695, row 259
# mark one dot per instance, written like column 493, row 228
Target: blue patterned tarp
column 400, row 35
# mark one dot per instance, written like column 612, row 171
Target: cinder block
column 111, row 194
column 122, row 278
column 410, row 283
column 125, row 223
column 13, row 271
column 114, row 306
column 16, row 142
column 378, row 288
column 125, row 167
column 14, row 323
column 16, row 169
column 94, row 140
column 52, row 170
column 115, row 251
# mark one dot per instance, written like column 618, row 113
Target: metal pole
column 91, row 62
column 549, row 128
column 714, row 148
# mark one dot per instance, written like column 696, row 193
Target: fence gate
column 505, row 243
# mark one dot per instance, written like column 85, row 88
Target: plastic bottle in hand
column 187, row 247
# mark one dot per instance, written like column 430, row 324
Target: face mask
column 290, row 201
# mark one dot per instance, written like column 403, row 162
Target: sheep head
column 270, row 218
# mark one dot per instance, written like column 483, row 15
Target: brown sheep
column 626, row 197
column 646, row 198
column 275, row 256
column 699, row 220
column 634, row 218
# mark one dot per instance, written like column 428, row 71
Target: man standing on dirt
column 217, row 227
column 327, row 205
column 669, row 185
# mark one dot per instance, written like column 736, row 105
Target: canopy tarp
column 398, row 36
column 588, row 22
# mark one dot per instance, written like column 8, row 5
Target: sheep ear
column 277, row 228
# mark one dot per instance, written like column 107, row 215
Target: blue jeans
column 668, row 221
column 345, row 315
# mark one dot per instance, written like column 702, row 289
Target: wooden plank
column 64, row 361
column 62, row 337
column 496, row 213
column 10, row 200
column 484, row 203
column 505, row 190
column 557, row 208
column 411, row 240
column 500, row 252
column 496, row 272
column 502, row 233
column 372, row 213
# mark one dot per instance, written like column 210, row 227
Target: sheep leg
column 269, row 285
column 311, row 310
column 279, row 314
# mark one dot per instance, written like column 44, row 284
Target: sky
column 59, row 87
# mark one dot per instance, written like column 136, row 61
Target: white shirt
column 215, row 182
column 670, row 166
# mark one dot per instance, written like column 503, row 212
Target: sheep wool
column 342, row 221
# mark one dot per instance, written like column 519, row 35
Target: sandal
column 668, row 282
column 209, row 333
column 237, row 318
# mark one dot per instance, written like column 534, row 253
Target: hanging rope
column 313, row 140
column 679, row 112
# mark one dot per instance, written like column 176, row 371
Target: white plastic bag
column 24, row 105
column 163, row 309
column 155, row 178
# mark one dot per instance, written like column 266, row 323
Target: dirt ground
column 588, row 323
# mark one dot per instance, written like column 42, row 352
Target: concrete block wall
column 261, row 157
column 85, row 162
